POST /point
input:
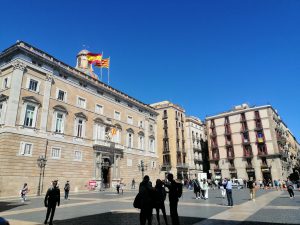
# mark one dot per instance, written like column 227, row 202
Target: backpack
column 179, row 189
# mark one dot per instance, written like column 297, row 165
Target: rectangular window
column 130, row 120
column 5, row 83
column 141, row 142
column 33, row 85
column 117, row 115
column 79, row 128
column 26, row 149
column 61, row 95
column 78, row 155
column 59, row 122
column 151, row 145
column 55, row 153
column 130, row 140
column 1, row 111
column 99, row 109
column 81, row 102
column 141, row 124
column 29, row 116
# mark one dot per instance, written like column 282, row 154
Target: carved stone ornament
column 18, row 65
column 49, row 77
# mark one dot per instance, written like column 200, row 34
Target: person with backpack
column 175, row 192
column 67, row 190
column 290, row 187
column 160, row 197
column 146, row 192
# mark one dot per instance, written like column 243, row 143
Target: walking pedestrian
column 251, row 186
column 196, row 185
column 67, row 190
column 222, row 188
column 118, row 188
column 52, row 199
column 228, row 186
column 205, row 187
column 175, row 192
column 24, row 191
column 160, row 197
column 133, row 184
column 290, row 187
column 147, row 196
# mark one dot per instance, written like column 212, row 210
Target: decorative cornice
column 60, row 108
column 98, row 120
column 81, row 115
column 31, row 99
column 130, row 130
column 18, row 65
column 141, row 133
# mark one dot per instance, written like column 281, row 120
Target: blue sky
column 206, row 56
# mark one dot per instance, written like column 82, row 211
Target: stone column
column 14, row 95
column 46, row 100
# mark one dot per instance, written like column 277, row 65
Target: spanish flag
column 94, row 58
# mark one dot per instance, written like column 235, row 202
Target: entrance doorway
column 105, row 170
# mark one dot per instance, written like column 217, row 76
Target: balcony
column 182, row 165
column 244, row 130
column 248, row 154
column 246, row 142
column 216, row 168
column 165, row 116
column 227, row 132
column 166, row 167
column 108, row 146
column 264, row 165
column 228, row 143
column 231, row 167
column 215, row 155
column 258, row 128
column 262, row 153
column 212, row 125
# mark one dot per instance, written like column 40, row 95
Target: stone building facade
column 250, row 142
column 171, row 139
column 196, row 146
column 85, row 129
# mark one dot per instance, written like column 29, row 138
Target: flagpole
column 101, row 69
column 108, row 70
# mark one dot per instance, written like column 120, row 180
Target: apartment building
column 250, row 142
column 196, row 145
column 171, row 139
column 81, row 128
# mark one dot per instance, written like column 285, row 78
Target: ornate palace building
column 61, row 122
column 250, row 142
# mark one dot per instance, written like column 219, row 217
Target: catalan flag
column 94, row 58
column 104, row 63
column 113, row 131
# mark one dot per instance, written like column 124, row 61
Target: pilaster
column 14, row 95
column 45, row 105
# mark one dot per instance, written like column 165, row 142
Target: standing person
column 175, row 192
column 160, row 197
column 202, row 191
column 205, row 187
column 196, row 185
column 228, row 186
column 133, row 184
column 290, row 187
column 147, row 193
column 52, row 199
column 118, row 188
column 251, row 186
column 24, row 191
column 276, row 184
column 280, row 184
column 222, row 188
column 67, row 190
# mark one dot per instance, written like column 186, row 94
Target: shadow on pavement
column 120, row 218
column 9, row 205
column 116, row 218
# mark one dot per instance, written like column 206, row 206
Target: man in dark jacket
column 147, row 196
column 175, row 192
column 52, row 199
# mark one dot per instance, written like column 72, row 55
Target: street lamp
column 41, row 162
column 142, row 167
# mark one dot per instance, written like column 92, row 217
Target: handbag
column 137, row 201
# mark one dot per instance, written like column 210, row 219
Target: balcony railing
column 228, row 143
column 165, row 116
column 260, row 140
column 215, row 155
column 248, row 154
column 246, row 142
column 182, row 165
column 213, row 134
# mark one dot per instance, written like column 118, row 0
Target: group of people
column 200, row 188
column 150, row 197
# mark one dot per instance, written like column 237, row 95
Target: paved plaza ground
column 108, row 208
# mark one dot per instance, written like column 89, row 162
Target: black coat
column 52, row 196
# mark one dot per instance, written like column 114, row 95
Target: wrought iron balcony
column 248, row 154
column 182, row 165
column 230, row 154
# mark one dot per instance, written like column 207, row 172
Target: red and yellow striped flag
column 105, row 63
column 94, row 58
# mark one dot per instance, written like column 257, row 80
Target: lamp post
column 142, row 167
column 41, row 162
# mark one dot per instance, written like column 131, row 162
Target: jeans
column 229, row 197
column 291, row 192
column 66, row 194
